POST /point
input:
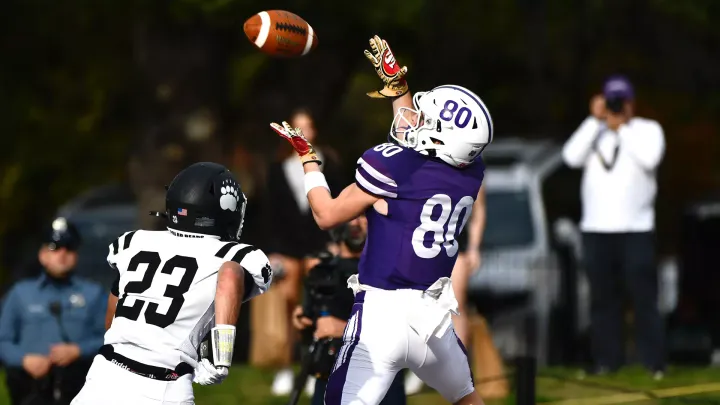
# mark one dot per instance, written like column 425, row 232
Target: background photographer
column 328, row 301
column 619, row 154
column 286, row 207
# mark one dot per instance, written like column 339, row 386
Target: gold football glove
column 298, row 141
column 392, row 75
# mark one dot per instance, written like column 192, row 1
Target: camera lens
column 615, row 104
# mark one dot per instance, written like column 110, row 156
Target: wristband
column 223, row 344
column 315, row 179
column 310, row 157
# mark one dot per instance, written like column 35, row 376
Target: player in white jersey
column 174, row 287
column 417, row 193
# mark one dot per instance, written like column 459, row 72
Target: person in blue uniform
column 417, row 193
column 51, row 326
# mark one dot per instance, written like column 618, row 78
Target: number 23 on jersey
column 175, row 292
column 443, row 228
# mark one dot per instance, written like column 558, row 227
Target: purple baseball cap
column 618, row 86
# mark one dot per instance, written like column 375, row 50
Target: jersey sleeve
column 115, row 288
column 115, row 249
column 258, row 273
column 375, row 172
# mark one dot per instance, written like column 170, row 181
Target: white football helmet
column 449, row 122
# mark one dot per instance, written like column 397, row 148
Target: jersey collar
column 182, row 234
column 45, row 280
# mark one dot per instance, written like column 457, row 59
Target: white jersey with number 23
column 166, row 289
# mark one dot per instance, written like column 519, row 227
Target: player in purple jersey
column 417, row 193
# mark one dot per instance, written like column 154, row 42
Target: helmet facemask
column 409, row 126
column 242, row 217
column 405, row 126
column 408, row 122
column 449, row 123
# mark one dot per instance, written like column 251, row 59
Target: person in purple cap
column 620, row 154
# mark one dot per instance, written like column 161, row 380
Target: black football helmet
column 205, row 198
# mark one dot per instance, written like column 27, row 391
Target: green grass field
column 555, row 386
column 250, row 386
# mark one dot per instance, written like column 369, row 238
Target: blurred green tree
column 88, row 86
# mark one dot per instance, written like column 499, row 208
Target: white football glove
column 207, row 374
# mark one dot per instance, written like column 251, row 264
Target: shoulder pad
column 377, row 171
column 225, row 249
column 252, row 260
column 119, row 245
column 122, row 242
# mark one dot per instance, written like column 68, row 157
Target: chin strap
column 158, row 214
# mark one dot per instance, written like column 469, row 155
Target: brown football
column 280, row 33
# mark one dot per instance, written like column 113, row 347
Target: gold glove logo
column 390, row 64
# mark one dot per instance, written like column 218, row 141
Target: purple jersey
column 429, row 203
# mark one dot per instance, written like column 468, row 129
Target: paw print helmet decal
column 229, row 195
column 205, row 198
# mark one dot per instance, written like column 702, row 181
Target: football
column 280, row 33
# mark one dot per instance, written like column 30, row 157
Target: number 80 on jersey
column 450, row 217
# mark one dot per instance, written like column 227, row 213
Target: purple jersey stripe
column 366, row 181
column 375, row 173
column 462, row 347
column 333, row 392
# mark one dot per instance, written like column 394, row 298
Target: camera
column 616, row 105
column 326, row 294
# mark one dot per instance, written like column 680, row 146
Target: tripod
column 309, row 360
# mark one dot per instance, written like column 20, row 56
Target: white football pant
column 379, row 342
column 109, row 384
